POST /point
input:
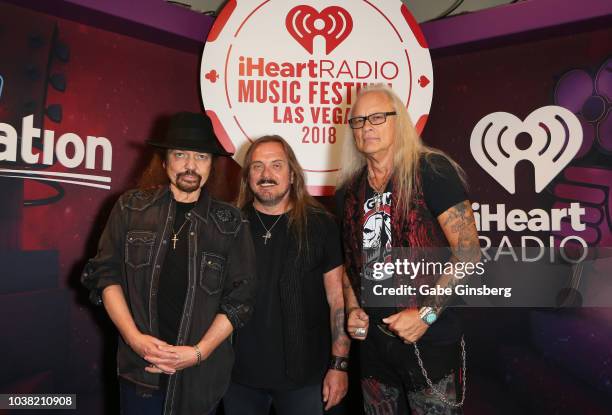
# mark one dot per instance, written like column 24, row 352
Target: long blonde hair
column 301, row 200
column 408, row 150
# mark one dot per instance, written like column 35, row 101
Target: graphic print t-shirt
column 377, row 246
column 442, row 189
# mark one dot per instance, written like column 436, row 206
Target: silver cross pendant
column 267, row 236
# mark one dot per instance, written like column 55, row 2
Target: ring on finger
column 361, row 331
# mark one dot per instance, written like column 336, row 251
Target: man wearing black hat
column 175, row 271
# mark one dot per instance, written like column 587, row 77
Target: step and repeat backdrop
column 529, row 121
column 76, row 106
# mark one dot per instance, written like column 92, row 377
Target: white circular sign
column 293, row 68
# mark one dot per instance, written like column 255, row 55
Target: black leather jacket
column 221, row 274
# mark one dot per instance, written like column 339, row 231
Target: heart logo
column 556, row 135
column 304, row 23
column 212, row 76
column 423, row 81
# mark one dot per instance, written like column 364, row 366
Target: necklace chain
column 379, row 189
column 175, row 238
column 268, row 233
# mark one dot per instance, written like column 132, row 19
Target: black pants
column 245, row 400
column 391, row 380
column 137, row 400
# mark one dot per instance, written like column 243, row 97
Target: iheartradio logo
column 556, row 136
column 333, row 23
column 294, row 68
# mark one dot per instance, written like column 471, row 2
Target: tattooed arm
column 356, row 317
column 335, row 383
column 350, row 299
column 334, row 292
column 459, row 227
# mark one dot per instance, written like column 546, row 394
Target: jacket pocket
column 139, row 248
column 211, row 272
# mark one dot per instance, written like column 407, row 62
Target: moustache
column 189, row 173
column 266, row 181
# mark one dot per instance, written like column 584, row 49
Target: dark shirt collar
column 202, row 206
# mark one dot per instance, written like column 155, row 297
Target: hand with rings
column 407, row 325
column 357, row 322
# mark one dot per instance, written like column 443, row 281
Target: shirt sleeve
column 333, row 245
column 106, row 268
column 239, row 291
column 442, row 187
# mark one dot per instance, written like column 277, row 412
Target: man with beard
column 293, row 353
column 175, row 272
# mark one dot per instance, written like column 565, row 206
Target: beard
column 188, row 187
column 268, row 198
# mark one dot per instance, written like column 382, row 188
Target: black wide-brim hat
column 191, row 131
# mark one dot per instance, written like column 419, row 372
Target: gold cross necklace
column 175, row 237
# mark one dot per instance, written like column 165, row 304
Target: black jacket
column 221, row 277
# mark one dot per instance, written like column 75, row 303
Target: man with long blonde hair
column 396, row 192
column 293, row 355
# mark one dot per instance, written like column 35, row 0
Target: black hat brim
column 190, row 132
column 190, row 146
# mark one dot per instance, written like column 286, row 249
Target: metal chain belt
column 436, row 392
